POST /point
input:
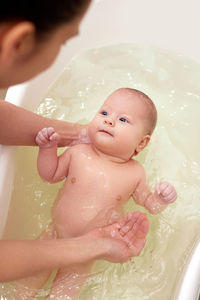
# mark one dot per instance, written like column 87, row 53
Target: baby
column 101, row 176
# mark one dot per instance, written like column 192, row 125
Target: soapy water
column 172, row 82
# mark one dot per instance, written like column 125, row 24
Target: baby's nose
column 109, row 122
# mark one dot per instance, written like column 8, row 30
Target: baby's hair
column 151, row 109
column 46, row 15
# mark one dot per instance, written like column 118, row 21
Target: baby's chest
column 103, row 178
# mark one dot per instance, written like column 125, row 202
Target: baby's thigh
column 27, row 288
column 68, row 281
column 108, row 215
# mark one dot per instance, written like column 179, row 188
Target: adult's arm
column 19, row 259
column 19, row 126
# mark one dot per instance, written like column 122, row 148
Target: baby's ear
column 143, row 143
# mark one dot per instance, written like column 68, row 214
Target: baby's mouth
column 106, row 132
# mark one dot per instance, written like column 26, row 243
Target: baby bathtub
column 171, row 24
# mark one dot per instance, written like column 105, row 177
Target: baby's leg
column 68, row 282
column 27, row 288
column 131, row 230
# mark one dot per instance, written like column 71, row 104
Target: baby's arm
column 51, row 167
column 163, row 195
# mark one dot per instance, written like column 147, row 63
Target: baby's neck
column 108, row 157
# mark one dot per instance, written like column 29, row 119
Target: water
column 173, row 82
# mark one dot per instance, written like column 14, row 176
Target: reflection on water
column 172, row 81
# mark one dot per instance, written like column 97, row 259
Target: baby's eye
column 104, row 113
column 123, row 120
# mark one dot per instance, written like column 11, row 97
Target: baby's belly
column 74, row 217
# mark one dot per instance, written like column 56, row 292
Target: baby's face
column 118, row 127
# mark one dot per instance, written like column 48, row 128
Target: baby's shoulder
column 80, row 148
column 136, row 165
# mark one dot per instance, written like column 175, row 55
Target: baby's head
column 124, row 124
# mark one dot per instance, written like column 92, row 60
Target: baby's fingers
column 54, row 137
column 161, row 187
column 48, row 132
column 166, row 190
column 171, row 197
column 41, row 139
column 47, row 137
column 157, row 188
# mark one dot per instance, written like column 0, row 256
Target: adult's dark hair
column 47, row 15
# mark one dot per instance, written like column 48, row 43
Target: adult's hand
column 124, row 239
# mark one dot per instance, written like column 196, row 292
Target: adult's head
column 31, row 34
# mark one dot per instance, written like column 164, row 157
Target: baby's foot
column 47, row 138
column 126, row 238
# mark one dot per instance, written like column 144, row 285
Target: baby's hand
column 166, row 192
column 47, row 138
